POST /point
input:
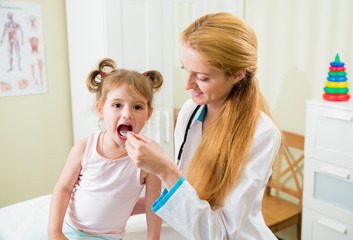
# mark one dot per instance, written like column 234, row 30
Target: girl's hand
column 152, row 158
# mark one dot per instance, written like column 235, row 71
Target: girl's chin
column 122, row 138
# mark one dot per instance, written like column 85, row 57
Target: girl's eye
column 137, row 107
column 117, row 105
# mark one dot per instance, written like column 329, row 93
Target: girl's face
column 206, row 84
column 123, row 111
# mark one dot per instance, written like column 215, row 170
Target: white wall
column 297, row 40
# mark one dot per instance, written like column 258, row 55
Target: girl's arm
column 139, row 207
column 62, row 191
column 153, row 191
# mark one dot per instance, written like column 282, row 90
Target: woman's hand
column 147, row 154
column 150, row 157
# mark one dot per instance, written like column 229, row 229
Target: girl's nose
column 189, row 81
column 126, row 113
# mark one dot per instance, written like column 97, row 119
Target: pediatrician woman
column 225, row 142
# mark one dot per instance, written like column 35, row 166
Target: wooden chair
column 279, row 213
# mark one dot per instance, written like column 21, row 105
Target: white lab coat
column 240, row 217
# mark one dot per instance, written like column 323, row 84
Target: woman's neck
column 211, row 113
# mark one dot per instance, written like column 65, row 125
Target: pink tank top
column 104, row 194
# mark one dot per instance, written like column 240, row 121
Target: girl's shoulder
column 90, row 142
column 80, row 146
column 86, row 146
column 91, row 139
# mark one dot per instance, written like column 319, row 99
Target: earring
column 101, row 124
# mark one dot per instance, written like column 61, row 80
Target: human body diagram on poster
column 21, row 47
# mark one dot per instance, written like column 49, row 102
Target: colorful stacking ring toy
column 336, row 97
column 336, row 79
column 336, row 85
column 337, row 74
column 337, row 69
column 336, row 90
column 336, row 64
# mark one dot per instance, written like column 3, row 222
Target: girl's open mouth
column 123, row 129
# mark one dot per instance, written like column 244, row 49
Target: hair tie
column 102, row 74
column 144, row 74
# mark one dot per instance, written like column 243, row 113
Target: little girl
column 100, row 185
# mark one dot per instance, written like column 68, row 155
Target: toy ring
column 337, row 69
column 336, row 79
column 337, row 64
column 337, row 74
column 336, row 97
column 336, row 90
column 336, row 84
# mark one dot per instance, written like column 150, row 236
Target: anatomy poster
column 22, row 65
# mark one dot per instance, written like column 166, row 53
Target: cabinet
column 328, row 171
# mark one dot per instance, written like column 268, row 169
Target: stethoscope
column 186, row 133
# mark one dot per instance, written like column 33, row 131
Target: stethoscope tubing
column 186, row 133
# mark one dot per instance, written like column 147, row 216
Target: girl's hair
column 228, row 44
column 107, row 77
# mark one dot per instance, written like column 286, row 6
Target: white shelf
column 328, row 171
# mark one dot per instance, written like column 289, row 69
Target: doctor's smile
column 196, row 94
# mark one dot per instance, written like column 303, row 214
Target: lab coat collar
column 200, row 115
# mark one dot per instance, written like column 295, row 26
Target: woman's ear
column 150, row 113
column 238, row 76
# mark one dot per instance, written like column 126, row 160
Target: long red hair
column 228, row 44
